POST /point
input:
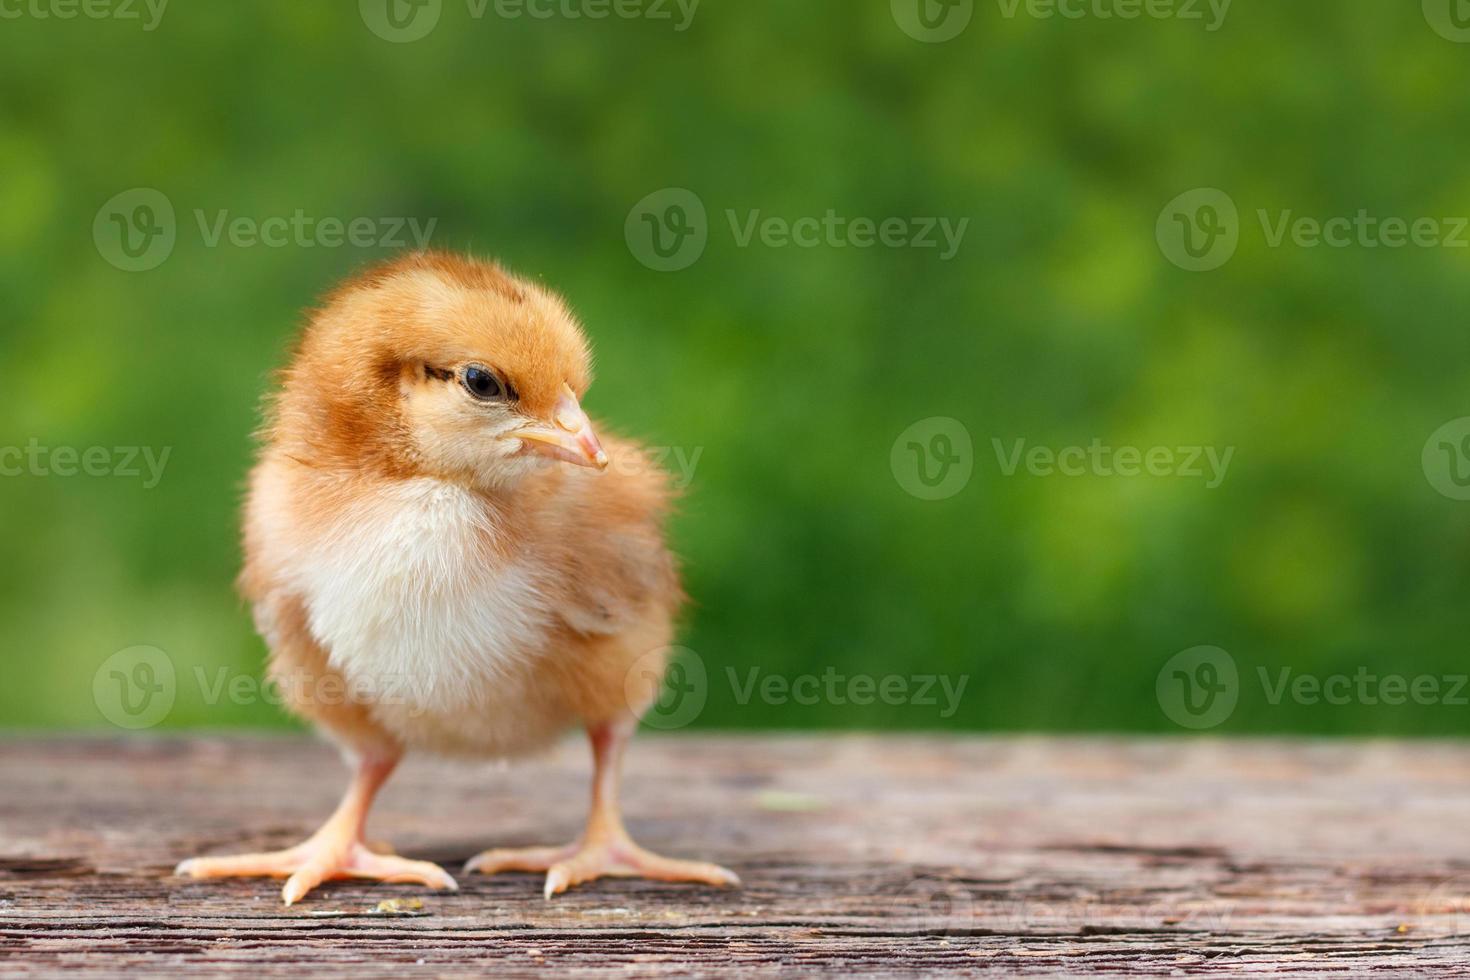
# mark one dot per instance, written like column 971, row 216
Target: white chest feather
column 410, row 600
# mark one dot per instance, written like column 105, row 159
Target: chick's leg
column 604, row 849
column 337, row 850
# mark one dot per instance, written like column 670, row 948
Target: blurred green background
column 791, row 370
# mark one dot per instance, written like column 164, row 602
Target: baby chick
column 440, row 557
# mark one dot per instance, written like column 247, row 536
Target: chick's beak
column 569, row 436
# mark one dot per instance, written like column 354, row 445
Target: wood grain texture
column 891, row 855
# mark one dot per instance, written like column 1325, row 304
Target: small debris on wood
column 389, row 906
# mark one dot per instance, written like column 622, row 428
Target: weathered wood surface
column 860, row 855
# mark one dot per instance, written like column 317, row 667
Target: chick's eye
column 482, row 384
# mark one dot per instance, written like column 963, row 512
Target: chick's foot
column 613, row 856
column 604, row 850
column 336, row 851
column 317, row 860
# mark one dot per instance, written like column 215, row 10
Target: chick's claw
column 308, row 865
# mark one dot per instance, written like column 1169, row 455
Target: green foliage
column 791, row 370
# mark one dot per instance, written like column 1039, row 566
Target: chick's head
column 443, row 366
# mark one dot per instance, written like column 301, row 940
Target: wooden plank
column 884, row 855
